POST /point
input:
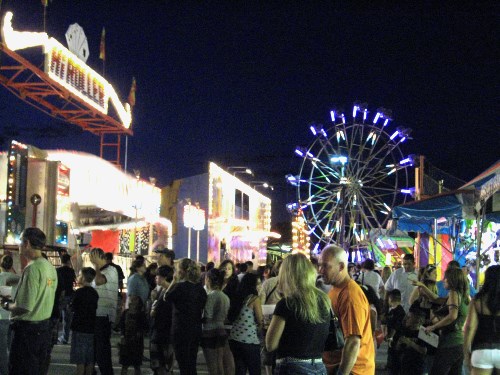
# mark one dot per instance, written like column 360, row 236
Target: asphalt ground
column 60, row 360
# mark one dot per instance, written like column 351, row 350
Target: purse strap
column 270, row 293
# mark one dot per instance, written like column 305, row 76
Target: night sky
column 238, row 82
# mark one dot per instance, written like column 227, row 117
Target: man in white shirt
column 399, row 280
column 106, row 286
column 370, row 277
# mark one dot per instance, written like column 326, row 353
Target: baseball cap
column 167, row 252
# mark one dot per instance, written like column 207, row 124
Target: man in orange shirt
column 352, row 308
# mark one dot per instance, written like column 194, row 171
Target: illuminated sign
column 62, row 180
column 194, row 217
column 68, row 70
column 72, row 73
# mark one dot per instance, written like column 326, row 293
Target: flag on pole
column 102, row 46
column 131, row 95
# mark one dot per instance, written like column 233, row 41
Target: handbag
column 335, row 339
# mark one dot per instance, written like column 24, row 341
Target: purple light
column 365, row 113
column 299, row 152
column 377, row 116
column 309, row 154
column 394, row 135
column 316, row 247
column 406, row 191
column 386, row 121
column 354, row 110
column 332, row 114
column 403, row 139
column 404, row 161
column 324, row 133
column 313, row 129
column 343, row 118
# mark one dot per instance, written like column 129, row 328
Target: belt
column 302, row 360
column 29, row 322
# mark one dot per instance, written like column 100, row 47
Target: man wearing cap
column 32, row 307
column 165, row 257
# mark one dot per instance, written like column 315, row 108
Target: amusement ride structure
column 351, row 175
column 64, row 87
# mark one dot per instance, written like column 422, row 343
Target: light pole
column 137, row 174
column 243, row 170
column 264, row 184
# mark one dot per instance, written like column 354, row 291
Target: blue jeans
column 246, row 357
column 300, row 368
column 28, row 351
column 4, row 346
column 66, row 316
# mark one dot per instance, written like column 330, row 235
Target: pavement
column 60, row 360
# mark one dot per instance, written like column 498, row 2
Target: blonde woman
column 301, row 320
column 188, row 299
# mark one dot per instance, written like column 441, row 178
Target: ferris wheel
column 351, row 175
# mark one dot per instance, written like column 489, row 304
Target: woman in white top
column 247, row 318
column 370, row 277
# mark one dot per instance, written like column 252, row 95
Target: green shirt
column 36, row 291
column 456, row 336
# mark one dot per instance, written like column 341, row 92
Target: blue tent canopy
column 419, row 216
column 464, row 203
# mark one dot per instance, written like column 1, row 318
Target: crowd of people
column 181, row 307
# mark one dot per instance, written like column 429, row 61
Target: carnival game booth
column 80, row 200
column 217, row 216
column 448, row 222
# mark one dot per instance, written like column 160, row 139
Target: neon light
column 332, row 115
column 377, row 116
column 379, row 241
column 299, row 152
column 313, row 129
column 403, row 139
column 404, row 161
column 391, row 171
column 384, row 212
column 394, row 135
column 354, row 110
column 406, row 191
column 365, row 113
column 67, row 69
column 386, row 121
column 339, row 159
column 387, row 207
column 343, row 118
column 324, row 133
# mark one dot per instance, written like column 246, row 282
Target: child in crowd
column 410, row 349
column 133, row 324
column 84, row 306
column 394, row 320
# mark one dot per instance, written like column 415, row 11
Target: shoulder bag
column 335, row 339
